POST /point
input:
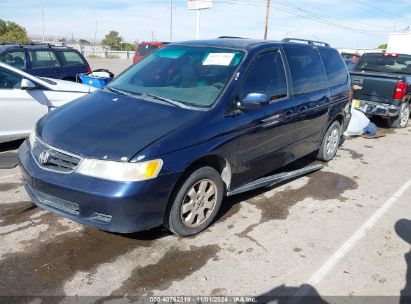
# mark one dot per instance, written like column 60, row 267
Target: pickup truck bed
column 383, row 87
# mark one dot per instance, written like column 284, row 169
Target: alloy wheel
column 199, row 203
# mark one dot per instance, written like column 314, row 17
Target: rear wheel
column 195, row 202
column 330, row 142
column 400, row 121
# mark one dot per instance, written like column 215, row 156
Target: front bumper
column 376, row 108
column 123, row 207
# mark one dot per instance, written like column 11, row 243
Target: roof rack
column 230, row 37
column 311, row 42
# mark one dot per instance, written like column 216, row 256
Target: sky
column 344, row 24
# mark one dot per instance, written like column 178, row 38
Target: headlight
column 120, row 171
column 32, row 136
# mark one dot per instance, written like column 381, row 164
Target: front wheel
column 400, row 121
column 330, row 142
column 196, row 202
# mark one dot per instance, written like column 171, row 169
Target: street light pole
column 42, row 18
column 267, row 16
column 171, row 20
column 198, row 24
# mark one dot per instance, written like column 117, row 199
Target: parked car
column 45, row 60
column 24, row 99
column 193, row 122
column 145, row 48
column 382, row 83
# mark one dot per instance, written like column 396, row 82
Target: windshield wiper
column 121, row 92
column 168, row 100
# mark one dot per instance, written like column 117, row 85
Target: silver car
column 24, row 99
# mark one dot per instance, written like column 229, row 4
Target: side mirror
column 253, row 101
column 27, row 84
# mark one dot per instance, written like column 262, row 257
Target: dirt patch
column 9, row 186
column 175, row 265
column 43, row 268
column 386, row 131
column 354, row 154
column 244, row 234
column 9, row 211
column 320, row 186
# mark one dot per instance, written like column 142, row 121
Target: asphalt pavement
column 340, row 232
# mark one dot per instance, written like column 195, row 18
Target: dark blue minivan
column 193, row 122
column 45, row 60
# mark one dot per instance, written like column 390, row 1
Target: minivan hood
column 104, row 125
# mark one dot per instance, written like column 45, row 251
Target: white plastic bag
column 100, row 75
column 357, row 123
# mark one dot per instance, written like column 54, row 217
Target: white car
column 24, row 99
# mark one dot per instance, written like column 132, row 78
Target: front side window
column 335, row 68
column 70, row 58
column 306, row 68
column 9, row 80
column 194, row 76
column 267, row 76
column 43, row 59
column 15, row 59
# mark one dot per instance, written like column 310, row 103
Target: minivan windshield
column 193, row 76
column 385, row 63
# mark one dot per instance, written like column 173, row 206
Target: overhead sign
column 199, row 4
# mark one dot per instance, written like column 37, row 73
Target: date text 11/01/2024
column 202, row 299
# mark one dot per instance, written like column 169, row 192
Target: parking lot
column 340, row 231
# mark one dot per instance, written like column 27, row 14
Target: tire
column 400, row 121
column 330, row 142
column 196, row 188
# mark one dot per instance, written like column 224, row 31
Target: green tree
column 12, row 32
column 128, row 46
column 3, row 27
column 113, row 40
column 382, row 46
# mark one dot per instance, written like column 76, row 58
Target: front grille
column 54, row 159
column 53, row 201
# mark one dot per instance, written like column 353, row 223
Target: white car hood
column 70, row 86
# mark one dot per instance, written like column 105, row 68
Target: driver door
column 264, row 145
column 19, row 111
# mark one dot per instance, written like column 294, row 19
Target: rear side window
column 43, row 59
column 335, row 67
column 16, row 59
column 70, row 58
column 267, row 75
column 306, row 69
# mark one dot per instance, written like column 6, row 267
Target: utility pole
column 42, row 18
column 171, row 20
column 267, row 16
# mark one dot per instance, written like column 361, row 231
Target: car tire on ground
column 330, row 142
column 195, row 203
column 400, row 121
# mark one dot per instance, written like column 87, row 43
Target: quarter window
column 43, row 59
column 9, row 80
column 70, row 58
column 307, row 71
column 335, row 68
column 267, row 75
column 15, row 59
